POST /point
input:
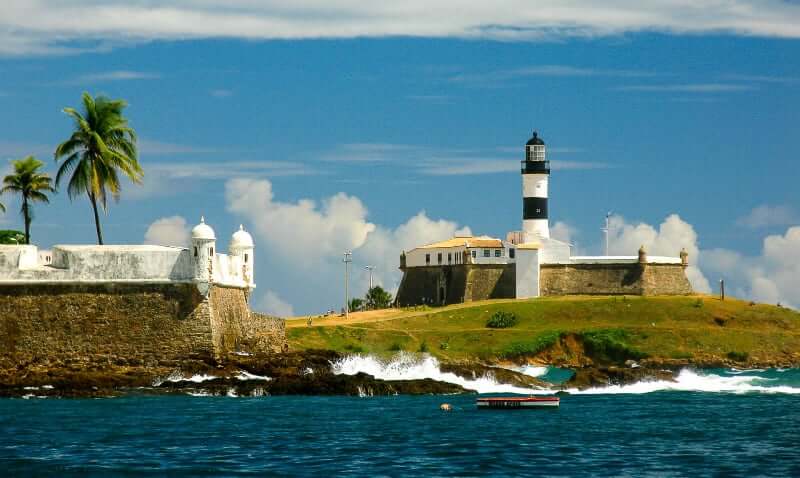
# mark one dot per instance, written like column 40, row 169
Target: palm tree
column 29, row 183
column 101, row 146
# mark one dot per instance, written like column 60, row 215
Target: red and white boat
column 518, row 402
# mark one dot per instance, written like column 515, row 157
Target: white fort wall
column 136, row 264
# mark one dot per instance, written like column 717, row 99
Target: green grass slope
column 686, row 328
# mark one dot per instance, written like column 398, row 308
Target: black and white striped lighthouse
column 535, row 173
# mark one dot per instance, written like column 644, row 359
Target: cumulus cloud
column 168, row 231
column 303, row 243
column 772, row 277
column 53, row 26
column 562, row 231
column 769, row 216
column 272, row 304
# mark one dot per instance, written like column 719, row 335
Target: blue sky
column 702, row 124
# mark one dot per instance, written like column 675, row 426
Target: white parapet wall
column 128, row 263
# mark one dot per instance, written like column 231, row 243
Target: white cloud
column 769, row 216
column 690, row 88
column 562, row 231
column 303, row 243
column 272, row 304
column 504, row 77
column 168, row 231
column 773, row 276
column 53, row 26
column 116, row 75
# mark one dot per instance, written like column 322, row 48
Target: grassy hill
column 696, row 329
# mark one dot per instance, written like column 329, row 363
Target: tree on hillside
column 378, row 298
column 101, row 147
column 31, row 184
column 356, row 304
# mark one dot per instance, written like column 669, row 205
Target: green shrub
column 533, row 347
column 698, row 303
column 502, row 320
column 610, row 345
column 423, row 347
column 354, row 348
column 738, row 356
column 395, row 347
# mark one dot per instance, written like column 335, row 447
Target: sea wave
column 723, row 381
column 535, row 371
column 406, row 366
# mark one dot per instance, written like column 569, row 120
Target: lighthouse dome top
column 535, row 140
column 241, row 239
column 203, row 231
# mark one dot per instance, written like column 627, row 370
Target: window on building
column 245, row 258
column 498, row 253
column 449, row 258
column 439, row 257
column 511, row 253
column 487, row 253
column 427, row 259
column 474, row 254
column 195, row 251
column 212, row 251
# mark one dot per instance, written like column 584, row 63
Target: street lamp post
column 607, row 228
column 348, row 258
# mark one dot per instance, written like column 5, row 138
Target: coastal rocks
column 474, row 370
column 590, row 377
column 297, row 373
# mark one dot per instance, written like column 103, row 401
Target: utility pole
column 348, row 258
column 722, row 289
column 370, row 269
column 607, row 228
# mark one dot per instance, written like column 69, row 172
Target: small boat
column 518, row 402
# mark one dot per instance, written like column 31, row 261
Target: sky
column 373, row 127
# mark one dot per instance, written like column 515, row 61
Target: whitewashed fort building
column 529, row 263
column 200, row 263
column 132, row 304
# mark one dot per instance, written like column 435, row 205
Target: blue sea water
column 660, row 433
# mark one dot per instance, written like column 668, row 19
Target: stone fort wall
column 456, row 283
column 469, row 282
column 128, row 324
column 613, row 279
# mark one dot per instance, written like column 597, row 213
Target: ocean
column 711, row 423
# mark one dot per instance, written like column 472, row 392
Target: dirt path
column 393, row 314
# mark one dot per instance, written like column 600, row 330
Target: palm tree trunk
column 27, row 217
column 96, row 219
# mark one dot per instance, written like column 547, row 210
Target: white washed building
column 201, row 263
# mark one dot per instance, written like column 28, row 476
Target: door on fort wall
column 442, row 295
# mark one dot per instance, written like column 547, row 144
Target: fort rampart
column 125, row 324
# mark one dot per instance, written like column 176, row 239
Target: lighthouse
column 535, row 174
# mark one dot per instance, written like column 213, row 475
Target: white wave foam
column 530, row 370
column 405, row 366
column 691, row 381
column 244, row 375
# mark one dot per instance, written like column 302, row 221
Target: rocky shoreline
column 310, row 373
